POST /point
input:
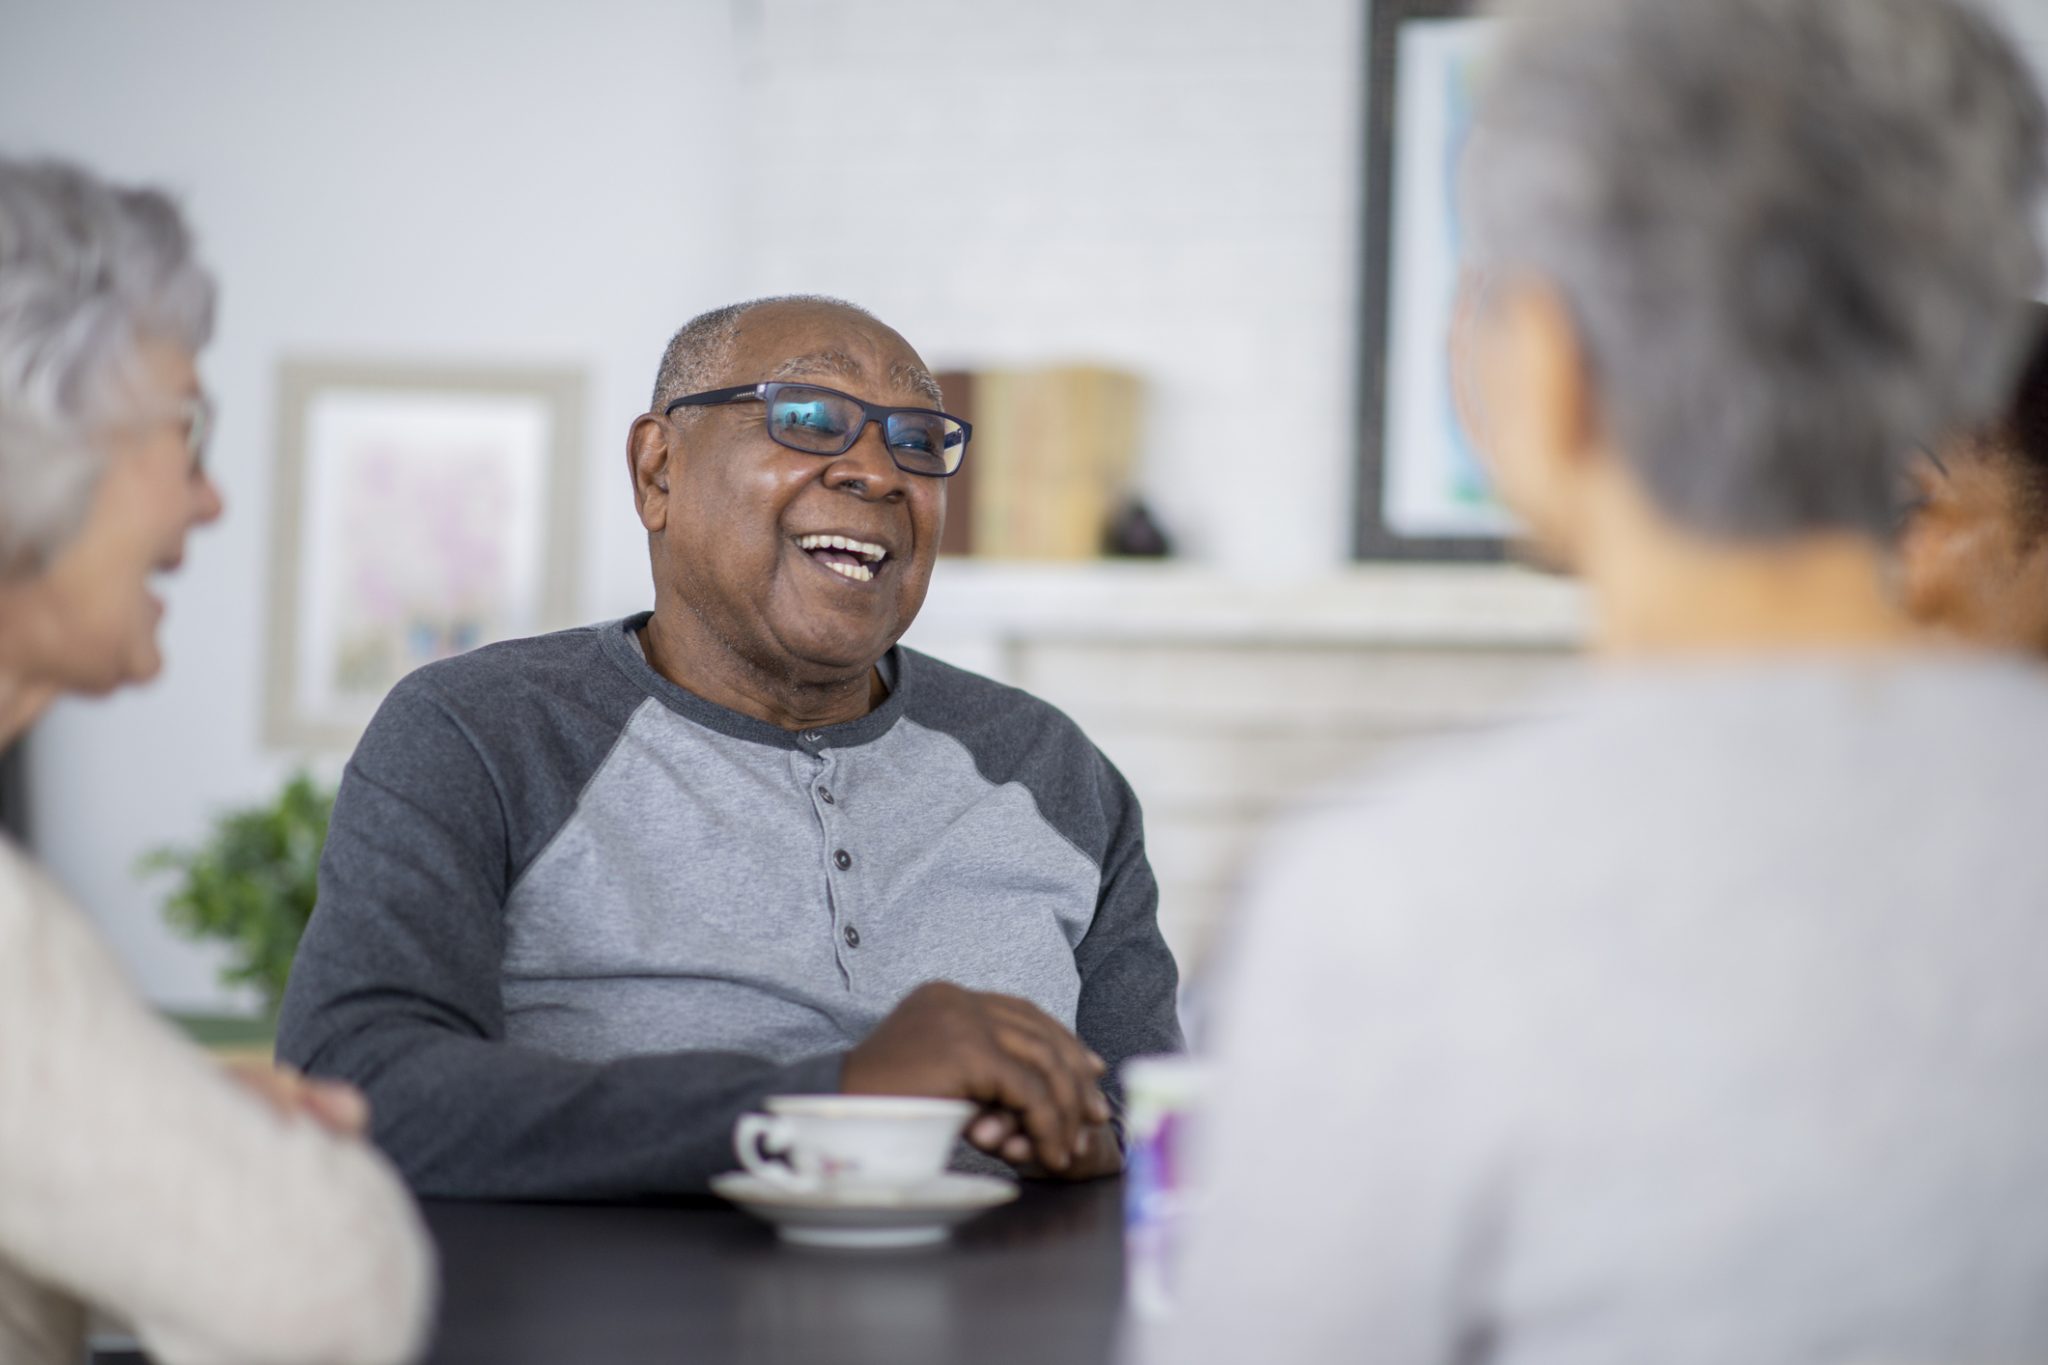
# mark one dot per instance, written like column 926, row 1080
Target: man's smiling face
column 751, row 537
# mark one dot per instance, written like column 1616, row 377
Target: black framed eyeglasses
column 821, row 421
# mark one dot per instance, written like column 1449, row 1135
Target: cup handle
column 758, row 1137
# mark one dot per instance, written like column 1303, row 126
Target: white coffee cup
column 845, row 1141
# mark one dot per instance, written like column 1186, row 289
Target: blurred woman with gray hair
column 225, row 1221
column 1702, row 1021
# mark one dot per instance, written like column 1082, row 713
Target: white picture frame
column 420, row 511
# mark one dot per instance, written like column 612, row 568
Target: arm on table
column 396, row 989
column 137, row 1177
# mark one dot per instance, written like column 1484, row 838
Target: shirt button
column 825, row 795
column 842, row 860
column 852, row 936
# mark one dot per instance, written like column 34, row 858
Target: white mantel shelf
column 1395, row 605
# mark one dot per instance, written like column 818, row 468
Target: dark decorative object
column 1134, row 534
column 14, row 791
column 958, row 536
column 1381, row 329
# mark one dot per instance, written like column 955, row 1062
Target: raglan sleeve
column 1130, row 985
column 396, row 989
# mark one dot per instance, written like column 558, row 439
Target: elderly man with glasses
column 588, row 897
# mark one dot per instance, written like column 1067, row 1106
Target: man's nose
column 867, row 469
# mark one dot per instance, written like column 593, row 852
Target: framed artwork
column 14, row 790
column 1422, row 492
column 420, row 512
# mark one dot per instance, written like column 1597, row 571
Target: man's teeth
column 873, row 554
column 859, row 573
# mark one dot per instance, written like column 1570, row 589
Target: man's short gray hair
column 87, row 271
column 1793, row 235
column 699, row 355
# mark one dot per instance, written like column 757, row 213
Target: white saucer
column 906, row 1216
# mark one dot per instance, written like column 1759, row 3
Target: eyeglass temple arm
column 714, row 397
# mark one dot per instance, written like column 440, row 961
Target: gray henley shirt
column 574, row 919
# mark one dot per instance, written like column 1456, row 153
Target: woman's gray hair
column 87, row 271
column 1792, row 234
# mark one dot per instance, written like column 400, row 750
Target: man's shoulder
column 530, row 661
column 1012, row 736
column 503, row 689
column 981, row 712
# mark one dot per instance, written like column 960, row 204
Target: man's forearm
column 473, row 1118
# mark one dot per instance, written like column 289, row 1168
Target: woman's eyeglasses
column 198, row 417
column 820, row 421
column 193, row 413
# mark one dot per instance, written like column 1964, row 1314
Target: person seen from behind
column 1702, row 1020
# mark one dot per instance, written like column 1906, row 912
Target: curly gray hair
column 87, row 270
column 1793, row 235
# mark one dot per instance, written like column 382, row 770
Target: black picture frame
column 14, row 790
column 1373, row 538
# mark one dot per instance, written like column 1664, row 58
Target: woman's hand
column 335, row 1105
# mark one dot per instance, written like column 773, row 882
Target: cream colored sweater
column 137, row 1178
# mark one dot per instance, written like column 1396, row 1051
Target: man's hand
column 338, row 1107
column 999, row 1051
column 996, row 1132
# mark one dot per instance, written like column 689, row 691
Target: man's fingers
column 1002, row 1051
column 1022, row 1088
column 991, row 1131
column 1068, row 1090
column 1022, row 1014
column 1084, row 1063
column 1072, row 1055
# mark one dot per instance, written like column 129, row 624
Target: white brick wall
column 1220, row 739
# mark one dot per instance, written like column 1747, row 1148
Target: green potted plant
column 251, row 884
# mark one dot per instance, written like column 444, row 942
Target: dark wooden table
column 1036, row 1281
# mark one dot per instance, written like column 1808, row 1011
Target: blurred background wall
column 1167, row 186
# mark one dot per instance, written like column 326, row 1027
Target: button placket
column 838, row 890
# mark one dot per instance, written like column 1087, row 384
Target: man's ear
column 648, row 459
